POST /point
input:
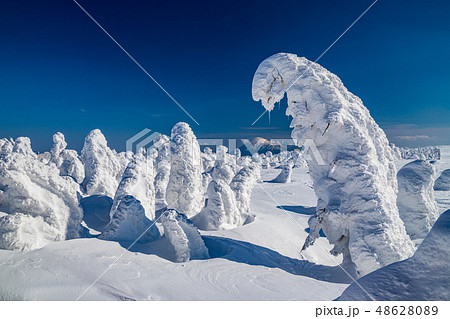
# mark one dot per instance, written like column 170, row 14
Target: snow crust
column 356, row 188
column 184, row 189
column 416, row 203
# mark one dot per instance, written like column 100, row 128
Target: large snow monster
column 356, row 182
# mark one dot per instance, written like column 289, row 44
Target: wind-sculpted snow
column 137, row 181
column 285, row 174
column 184, row 190
column 242, row 186
column 356, row 187
column 129, row 223
column 443, row 182
column 424, row 276
column 162, row 170
column 67, row 161
column 184, row 237
column 416, row 203
column 103, row 166
column 41, row 205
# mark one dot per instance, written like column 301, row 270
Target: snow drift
column 416, row 203
column 356, row 187
column 424, row 276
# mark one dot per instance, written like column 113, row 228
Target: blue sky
column 60, row 72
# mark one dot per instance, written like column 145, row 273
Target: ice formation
column 137, row 181
column 129, row 223
column 285, row 174
column 103, row 166
column 184, row 190
column 184, row 236
column 40, row 205
column 356, row 188
column 424, row 276
column 162, row 170
column 242, row 186
column 443, row 182
column 416, row 203
column 67, row 161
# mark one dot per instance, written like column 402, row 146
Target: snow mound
column 424, row 276
column 443, row 182
column 416, row 203
column 285, row 175
column 137, row 181
column 129, row 223
column 355, row 178
column 103, row 166
column 184, row 190
column 42, row 206
column 184, row 236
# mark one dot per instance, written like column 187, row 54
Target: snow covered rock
column 184, row 236
column 41, row 205
column 424, row 276
column 443, row 182
column 103, row 166
column 416, row 203
column 184, row 190
column 285, row 174
column 242, row 186
column 162, row 169
column 129, row 223
column 137, row 181
column 221, row 210
column 355, row 175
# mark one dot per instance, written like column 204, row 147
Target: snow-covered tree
column 443, row 182
column 242, row 186
column 416, row 203
column 355, row 179
column 129, row 223
column 285, row 174
column 208, row 159
column 184, row 190
column 67, row 161
column 40, row 205
column 103, row 166
column 137, row 181
column 162, row 169
column 184, row 236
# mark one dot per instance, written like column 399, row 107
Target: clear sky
column 60, row 72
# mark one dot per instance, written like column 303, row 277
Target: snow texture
column 356, row 188
column 443, row 182
column 129, row 223
column 424, row 276
column 184, row 190
column 184, row 236
column 416, row 203
column 41, row 205
column 137, row 181
column 103, row 166
column 67, row 161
